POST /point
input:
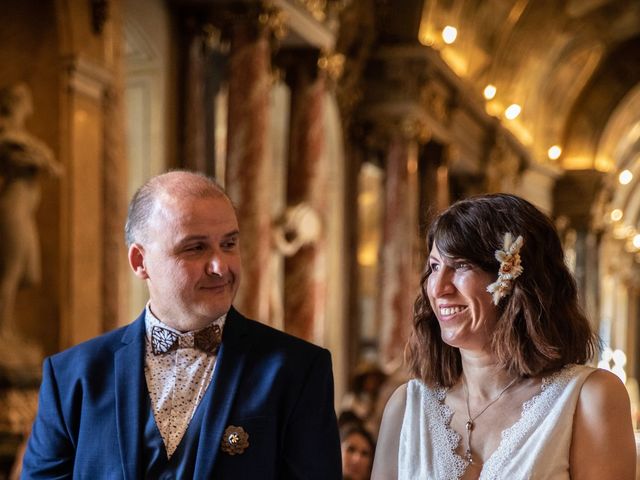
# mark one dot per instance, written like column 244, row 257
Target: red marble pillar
column 249, row 162
column 195, row 104
column 399, row 278
column 305, row 272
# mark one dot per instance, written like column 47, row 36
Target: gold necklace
column 470, row 420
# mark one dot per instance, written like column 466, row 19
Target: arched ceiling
column 542, row 55
column 572, row 66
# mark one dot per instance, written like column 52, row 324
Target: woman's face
column 356, row 457
column 457, row 292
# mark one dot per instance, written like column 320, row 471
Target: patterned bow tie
column 164, row 340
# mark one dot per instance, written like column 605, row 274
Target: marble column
column 585, row 185
column 115, row 267
column 305, row 271
column 248, row 170
column 194, row 137
column 204, row 73
column 399, row 271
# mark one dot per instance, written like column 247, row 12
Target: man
column 159, row 398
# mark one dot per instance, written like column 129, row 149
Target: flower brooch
column 510, row 268
column 235, row 440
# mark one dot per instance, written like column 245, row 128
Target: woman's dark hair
column 349, row 429
column 540, row 325
column 348, row 417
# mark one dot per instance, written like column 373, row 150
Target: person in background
column 192, row 388
column 362, row 399
column 498, row 352
column 358, row 448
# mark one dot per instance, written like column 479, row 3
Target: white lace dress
column 535, row 447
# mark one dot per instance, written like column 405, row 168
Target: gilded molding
column 274, row 20
column 332, row 64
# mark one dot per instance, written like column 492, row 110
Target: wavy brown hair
column 540, row 325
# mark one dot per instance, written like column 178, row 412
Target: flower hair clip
column 510, row 268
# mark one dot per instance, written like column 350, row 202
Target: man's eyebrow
column 190, row 238
column 234, row 233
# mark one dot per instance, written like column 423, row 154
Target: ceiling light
column 616, row 215
column 636, row 241
column 512, row 111
column 489, row 92
column 449, row 34
column 554, row 152
column 625, row 177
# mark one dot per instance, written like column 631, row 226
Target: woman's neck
column 484, row 377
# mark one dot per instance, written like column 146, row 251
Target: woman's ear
column 136, row 261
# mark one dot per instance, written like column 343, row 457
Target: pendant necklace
column 471, row 420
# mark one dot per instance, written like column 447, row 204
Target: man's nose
column 217, row 266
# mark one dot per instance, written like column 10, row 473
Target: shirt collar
column 150, row 321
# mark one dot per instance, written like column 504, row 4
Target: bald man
column 191, row 389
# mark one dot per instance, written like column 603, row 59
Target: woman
column 498, row 351
column 357, row 447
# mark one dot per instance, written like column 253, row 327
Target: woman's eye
column 461, row 266
column 434, row 267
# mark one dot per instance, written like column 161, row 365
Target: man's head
column 183, row 239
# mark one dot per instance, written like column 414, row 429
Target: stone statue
column 299, row 226
column 22, row 159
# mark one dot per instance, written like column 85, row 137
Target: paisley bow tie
column 164, row 340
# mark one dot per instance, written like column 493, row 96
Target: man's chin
column 215, row 312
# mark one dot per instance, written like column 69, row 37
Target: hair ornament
column 510, row 267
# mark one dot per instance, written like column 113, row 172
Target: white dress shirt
column 177, row 381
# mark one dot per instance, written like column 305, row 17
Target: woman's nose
column 441, row 282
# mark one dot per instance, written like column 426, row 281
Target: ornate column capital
column 381, row 125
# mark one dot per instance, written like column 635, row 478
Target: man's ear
column 136, row 261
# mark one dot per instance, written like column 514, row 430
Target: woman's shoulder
column 412, row 393
column 398, row 399
column 602, row 386
column 603, row 429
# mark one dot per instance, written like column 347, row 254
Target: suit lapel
column 130, row 387
column 230, row 363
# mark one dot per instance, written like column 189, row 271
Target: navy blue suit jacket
column 277, row 387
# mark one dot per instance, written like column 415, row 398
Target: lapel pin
column 234, row 440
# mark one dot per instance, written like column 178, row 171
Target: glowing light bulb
column 636, row 241
column 625, row 177
column 490, row 92
column 449, row 34
column 616, row 215
column 554, row 152
column 512, row 111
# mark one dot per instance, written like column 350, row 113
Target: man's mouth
column 214, row 286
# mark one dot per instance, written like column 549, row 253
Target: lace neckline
column 532, row 411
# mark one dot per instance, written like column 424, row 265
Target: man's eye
column 229, row 245
column 194, row 248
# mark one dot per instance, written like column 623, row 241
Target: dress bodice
column 535, row 447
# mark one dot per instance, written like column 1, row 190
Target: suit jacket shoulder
column 95, row 352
